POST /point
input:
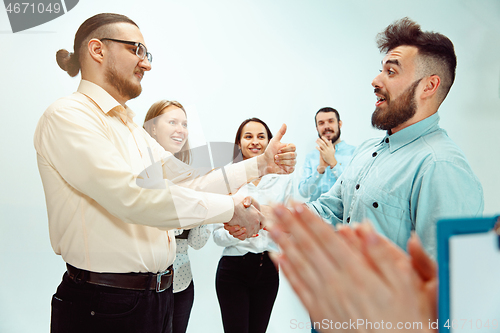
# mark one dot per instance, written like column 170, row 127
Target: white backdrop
column 228, row 60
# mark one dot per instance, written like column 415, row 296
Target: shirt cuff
column 239, row 174
column 319, row 175
column 336, row 168
column 220, row 209
column 252, row 168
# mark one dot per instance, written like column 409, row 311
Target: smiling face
column 253, row 140
column 395, row 88
column 328, row 126
column 170, row 129
column 123, row 69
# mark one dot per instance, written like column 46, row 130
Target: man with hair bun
column 415, row 175
column 114, row 195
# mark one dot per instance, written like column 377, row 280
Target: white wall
column 279, row 60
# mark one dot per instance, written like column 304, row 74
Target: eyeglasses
column 141, row 51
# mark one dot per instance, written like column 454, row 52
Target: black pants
column 80, row 307
column 246, row 288
column 183, row 303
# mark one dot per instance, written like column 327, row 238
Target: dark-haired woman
column 247, row 281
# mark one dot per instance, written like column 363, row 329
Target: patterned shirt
column 197, row 238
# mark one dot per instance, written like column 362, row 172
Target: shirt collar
column 105, row 101
column 340, row 144
column 412, row 133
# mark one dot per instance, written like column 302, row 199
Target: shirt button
column 374, row 154
column 357, row 187
column 386, row 140
column 348, row 220
column 375, row 205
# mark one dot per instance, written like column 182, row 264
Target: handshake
column 249, row 217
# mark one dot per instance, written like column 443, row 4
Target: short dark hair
column 326, row 109
column 237, row 139
column 98, row 26
column 435, row 50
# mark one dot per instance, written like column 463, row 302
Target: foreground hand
column 278, row 157
column 427, row 270
column 246, row 220
column 349, row 276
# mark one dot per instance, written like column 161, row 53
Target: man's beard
column 124, row 87
column 336, row 137
column 401, row 109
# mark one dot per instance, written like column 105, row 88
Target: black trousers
column 80, row 307
column 183, row 303
column 246, row 288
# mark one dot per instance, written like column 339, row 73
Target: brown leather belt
column 134, row 281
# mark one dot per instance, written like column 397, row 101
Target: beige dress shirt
column 113, row 193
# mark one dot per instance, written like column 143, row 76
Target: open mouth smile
column 177, row 139
column 380, row 100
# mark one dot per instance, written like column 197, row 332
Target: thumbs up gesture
column 279, row 157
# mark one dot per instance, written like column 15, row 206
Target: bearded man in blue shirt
column 324, row 165
column 416, row 174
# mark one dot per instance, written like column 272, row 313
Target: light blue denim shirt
column 312, row 183
column 406, row 181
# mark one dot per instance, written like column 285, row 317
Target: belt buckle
column 158, row 280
